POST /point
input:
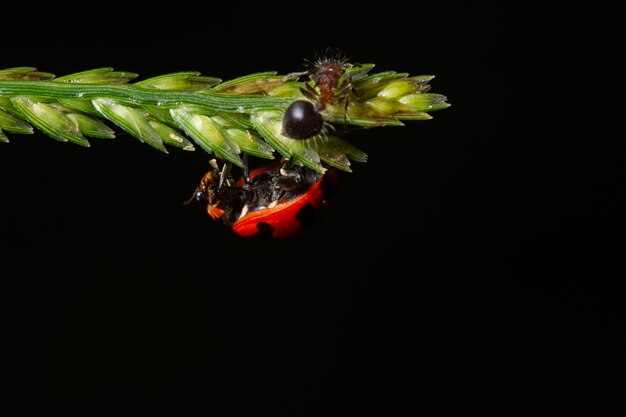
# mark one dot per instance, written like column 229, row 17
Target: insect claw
column 245, row 168
column 294, row 75
column 225, row 171
column 309, row 92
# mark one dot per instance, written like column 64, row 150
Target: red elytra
column 288, row 218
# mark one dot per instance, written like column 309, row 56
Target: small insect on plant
column 302, row 118
column 289, row 120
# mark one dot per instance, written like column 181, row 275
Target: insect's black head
column 302, row 121
column 201, row 197
column 205, row 194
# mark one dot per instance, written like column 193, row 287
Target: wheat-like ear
column 187, row 109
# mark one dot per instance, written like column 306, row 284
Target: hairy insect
column 326, row 72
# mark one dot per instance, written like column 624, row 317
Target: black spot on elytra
column 266, row 231
column 306, row 215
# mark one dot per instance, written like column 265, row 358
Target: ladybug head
column 207, row 194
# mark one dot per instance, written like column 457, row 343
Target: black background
column 473, row 266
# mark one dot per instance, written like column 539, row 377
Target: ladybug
column 276, row 201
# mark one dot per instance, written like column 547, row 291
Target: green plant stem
column 242, row 115
column 142, row 96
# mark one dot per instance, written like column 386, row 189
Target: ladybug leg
column 287, row 171
column 245, row 168
column 224, row 175
column 288, row 178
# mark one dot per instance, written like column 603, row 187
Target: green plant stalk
column 130, row 94
column 225, row 119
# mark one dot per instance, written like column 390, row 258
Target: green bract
column 226, row 119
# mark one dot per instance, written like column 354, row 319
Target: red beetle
column 271, row 202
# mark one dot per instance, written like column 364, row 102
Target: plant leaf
column 189, row 80
column 98, row 76
column 250, row 84
column 171, row 136
column 24, row 73
column 207, row 133
column 251, row 143
column 130, row 119
column 49, row 119
column 12, row 124
column 89, row 126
